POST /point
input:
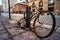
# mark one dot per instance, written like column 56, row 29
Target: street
column 14, row 33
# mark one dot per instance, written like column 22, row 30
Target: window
column 33, row 10
column 51, row 9
column 40, row 8
column 33, row 5
column 41, row 3
column 51, row 2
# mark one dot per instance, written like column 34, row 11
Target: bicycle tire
column 52, row 29
column 22, row 24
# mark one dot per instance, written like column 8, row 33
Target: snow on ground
column 16, row 17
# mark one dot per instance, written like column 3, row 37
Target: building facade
column 57, row 5
column 5, row 4
column 18, row 8
column 42, row 4
column 51, row 5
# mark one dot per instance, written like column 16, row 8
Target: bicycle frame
column 32, row 16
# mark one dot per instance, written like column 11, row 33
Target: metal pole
column 9, row 9
column 28, row 11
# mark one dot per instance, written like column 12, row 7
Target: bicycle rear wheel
column 22, row 22
column 44, row 25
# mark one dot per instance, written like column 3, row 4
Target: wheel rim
column 42, row 30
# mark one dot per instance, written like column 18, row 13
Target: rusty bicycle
column 42, row 23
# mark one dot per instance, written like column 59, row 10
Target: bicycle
column 23, row 20
column 45, row 26
column 41, row 19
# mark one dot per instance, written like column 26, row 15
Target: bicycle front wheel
column 44, row 24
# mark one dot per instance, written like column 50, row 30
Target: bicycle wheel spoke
column 43, row 25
